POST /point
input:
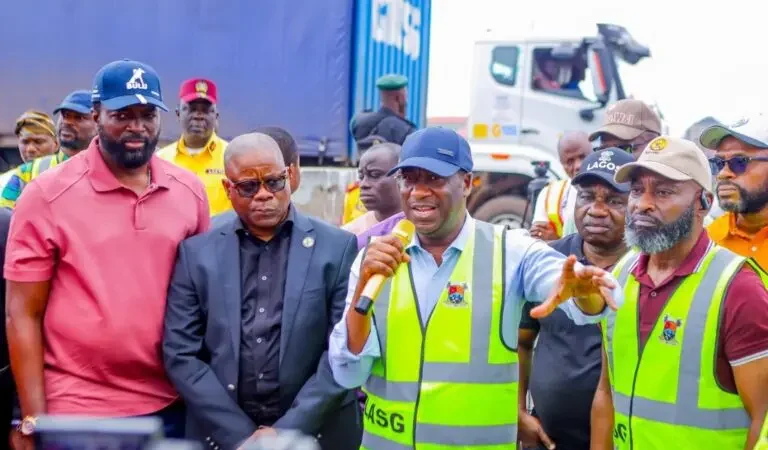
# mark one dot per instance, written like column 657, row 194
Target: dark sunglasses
column 249, row 188
column 737, row 164
column 629, row 148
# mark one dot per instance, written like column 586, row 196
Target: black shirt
column 263, row 268
column 566, row 367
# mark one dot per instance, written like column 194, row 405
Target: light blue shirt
column 532, row 268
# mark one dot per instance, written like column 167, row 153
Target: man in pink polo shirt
column 92, row 249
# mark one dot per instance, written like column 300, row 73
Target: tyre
column 505, row 210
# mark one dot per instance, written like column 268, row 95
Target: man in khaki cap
column 698, row 311
column 629, row 125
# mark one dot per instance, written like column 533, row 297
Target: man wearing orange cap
column 200, row 149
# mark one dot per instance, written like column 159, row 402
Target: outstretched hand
column 587, row 284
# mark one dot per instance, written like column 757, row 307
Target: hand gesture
column 588, row 283
column 531, row 433
column 382, row 258
column 543, row 231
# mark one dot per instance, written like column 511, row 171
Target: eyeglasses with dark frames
column 250, row 187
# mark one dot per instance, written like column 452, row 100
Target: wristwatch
column 28, row 425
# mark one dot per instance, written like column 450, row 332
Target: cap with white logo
column 673, row 158
column 751, row 130
column 602, row 166
column 124, row 83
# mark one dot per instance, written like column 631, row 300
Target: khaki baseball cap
column 627, row 119
column 673, row 158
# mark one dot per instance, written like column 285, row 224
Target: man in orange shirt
column 741, row 162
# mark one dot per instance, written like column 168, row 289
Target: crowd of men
column 182, row 283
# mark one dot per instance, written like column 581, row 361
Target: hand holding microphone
column 382, row 258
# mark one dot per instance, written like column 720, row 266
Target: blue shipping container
column 305, row 65
column 392, row 36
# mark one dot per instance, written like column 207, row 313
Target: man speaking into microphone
column 436, row 354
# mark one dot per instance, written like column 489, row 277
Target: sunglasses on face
column 249, row 188
column 629, row 148
column 737, row 164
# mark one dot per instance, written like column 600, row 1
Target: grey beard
column 661, row 238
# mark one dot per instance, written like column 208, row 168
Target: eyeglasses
column 273, row 184
column 629, row 148
column 737, row 164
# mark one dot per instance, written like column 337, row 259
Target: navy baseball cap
column 602, row 165
column 77, row 101
column 124, row 83
column 439, row 150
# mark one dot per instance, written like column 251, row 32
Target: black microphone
column 404, row 231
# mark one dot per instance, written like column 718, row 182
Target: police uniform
column 384, row 122
column 208, row 164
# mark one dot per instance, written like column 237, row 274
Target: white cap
column 751, row 130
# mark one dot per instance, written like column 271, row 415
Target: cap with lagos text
column 602, row 166
column 198, row 88
column 673, row 158
column 751, row 130
column 125, row 83
column 628, row 119
column 77, row 101
column 391, row 82
column 439, row 150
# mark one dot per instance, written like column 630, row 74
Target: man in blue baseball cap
column 75, row 128
column 102, row 283
column 447, row 316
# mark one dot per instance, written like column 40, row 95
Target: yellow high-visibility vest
column 665, row 393
column 353, row 207
column 552, row 203
column 453, row 382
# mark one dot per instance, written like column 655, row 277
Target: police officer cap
column 391, row 82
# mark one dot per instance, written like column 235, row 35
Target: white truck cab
column 525, row 94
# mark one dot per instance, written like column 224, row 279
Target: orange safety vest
column 353, row 207
column 552, row 204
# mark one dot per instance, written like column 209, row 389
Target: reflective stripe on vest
column 39, row 166
column 552, row 204
column 457, row 386
column 666, row 390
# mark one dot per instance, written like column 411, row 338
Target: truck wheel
column 505, row 210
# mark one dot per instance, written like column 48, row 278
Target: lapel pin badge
column 308, row 242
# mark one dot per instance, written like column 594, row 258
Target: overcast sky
column 705, row 60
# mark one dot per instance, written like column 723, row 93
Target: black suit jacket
column 201, row 344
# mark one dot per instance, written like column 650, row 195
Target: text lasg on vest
column 394, row 421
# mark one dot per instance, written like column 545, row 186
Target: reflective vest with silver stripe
column 39, row 166
column 665, row 392
column 552, row 204
column 453, row 382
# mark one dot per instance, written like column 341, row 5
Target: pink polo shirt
column 109, row 255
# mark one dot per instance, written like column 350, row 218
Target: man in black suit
column 6, row 380
column 250, row 308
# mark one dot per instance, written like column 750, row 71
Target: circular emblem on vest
column 658, row 144
column 456, row 294
column 308, row 242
